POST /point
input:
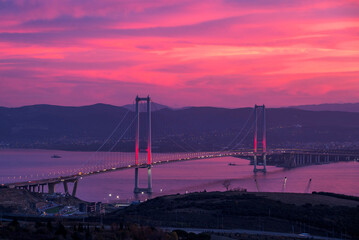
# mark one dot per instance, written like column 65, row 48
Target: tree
column 61, row 230
column 49, row 226
column 226, row 184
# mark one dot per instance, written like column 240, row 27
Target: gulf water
column 179, row 177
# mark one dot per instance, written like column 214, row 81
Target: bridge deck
column 74, row 177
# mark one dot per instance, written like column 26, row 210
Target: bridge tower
column 137, row 143
column 260, row 126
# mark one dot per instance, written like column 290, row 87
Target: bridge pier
column 66, row 188
column 75, row 188
column 51, row 188
column 136, row 180
column 149, row 181
column 149, row 174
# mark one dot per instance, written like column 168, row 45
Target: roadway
column 250, row 232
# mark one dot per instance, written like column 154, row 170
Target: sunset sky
column 228, row 53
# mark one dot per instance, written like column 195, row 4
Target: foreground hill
column 316, row 214
column 324, row 214
column 195, row 128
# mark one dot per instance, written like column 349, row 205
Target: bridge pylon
column 149, row 147
column 260, row 149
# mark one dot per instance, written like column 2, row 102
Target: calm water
column 198, row 175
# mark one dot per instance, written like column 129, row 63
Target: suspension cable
column 240, row 132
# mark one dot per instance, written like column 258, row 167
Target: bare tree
column 226, row 184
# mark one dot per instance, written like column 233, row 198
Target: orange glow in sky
column 228, row 53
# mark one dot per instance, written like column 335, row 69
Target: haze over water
column 172, row 178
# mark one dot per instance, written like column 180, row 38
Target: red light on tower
column 255, row 144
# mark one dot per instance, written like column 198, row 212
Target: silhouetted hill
column 189, row 129
column 45, row 122
column 342, row 107
column 143, row 107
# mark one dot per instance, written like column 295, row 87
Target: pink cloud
column 218, row 52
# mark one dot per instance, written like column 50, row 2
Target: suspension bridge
column 139, row 127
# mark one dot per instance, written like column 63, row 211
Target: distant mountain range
column 143, row 106
column 342, row 107
column 186, row 129
column 339, row 107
